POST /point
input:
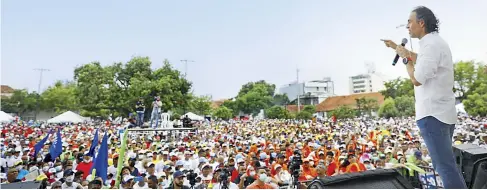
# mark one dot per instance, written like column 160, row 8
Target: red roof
column 334, row 102
column 6, row 89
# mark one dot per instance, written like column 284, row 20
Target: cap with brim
column 178, row 174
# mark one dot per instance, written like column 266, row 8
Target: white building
column 363, row 83
column 310, row 92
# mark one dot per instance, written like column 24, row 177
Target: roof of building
column 6, row 89
column 294, row 108
column 334, row 102
column 217, row 103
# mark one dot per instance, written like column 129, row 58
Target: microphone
column 403, row 43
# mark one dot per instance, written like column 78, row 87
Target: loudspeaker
column 466, row 155
column 371, row 179
column 480, row 174
column 22, row 185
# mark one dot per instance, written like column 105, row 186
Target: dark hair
column 430, row 21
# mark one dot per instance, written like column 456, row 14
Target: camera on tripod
column 224, row 174
column 295, row 167
column 191, row 176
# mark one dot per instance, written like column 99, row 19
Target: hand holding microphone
column 400, row 50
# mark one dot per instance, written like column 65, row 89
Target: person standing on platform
column 140, row 108
column 156, row 109
column 431, row 72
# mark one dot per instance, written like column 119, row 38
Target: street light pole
column 299, row 88
column 41, row 70
column 186, row 66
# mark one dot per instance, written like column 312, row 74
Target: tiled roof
column 6, row 89
column 217, row 103
column 334, row 102
column 294, row 108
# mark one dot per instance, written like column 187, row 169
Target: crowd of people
column 253, row 154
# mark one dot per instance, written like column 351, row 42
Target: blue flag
column 94, row 143
column 100, row 163
column 38, row 146
column 56, row 148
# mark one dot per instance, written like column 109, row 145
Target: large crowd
column 252, row 154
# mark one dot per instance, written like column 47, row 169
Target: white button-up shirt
column 434, row 70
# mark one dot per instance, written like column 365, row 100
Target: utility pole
column 186, row 66
column 299, row 87
column 41, row 70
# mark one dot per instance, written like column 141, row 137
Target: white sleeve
column 427, row 63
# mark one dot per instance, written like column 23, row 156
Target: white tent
column 193, row 116
column 67, row 117
column 460, row 108
column 4, row 117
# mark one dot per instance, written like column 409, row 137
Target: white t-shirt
column 74, row 185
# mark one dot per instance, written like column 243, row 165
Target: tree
column 343, row 112
column 388, row 109
column 253, row 102
column 398, row 87
column 277, row 112
column 304, row 115
column 20, row 102
column 60, row 98
column 464, row 78
column 366, row 105
column 280, row 99
column 201, row 105
column 117, row 87
column 310, row 109
column 223, row 112
column 405, row 105
column 268, row 89
column 476, row 103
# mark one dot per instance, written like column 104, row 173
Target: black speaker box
column 22, row 185
column 372, row 179
column 480, row 174
column 466, row 155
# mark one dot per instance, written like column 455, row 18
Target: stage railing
column 169, row 133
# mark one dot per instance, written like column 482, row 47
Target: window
column 359, row 86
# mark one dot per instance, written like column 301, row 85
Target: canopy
column 4, row 117
column 193, row 116
column 460, row 108
column 67, row 117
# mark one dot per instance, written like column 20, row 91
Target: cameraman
column 156, row 109
column 223, row 179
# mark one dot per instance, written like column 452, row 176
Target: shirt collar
column 426, row 37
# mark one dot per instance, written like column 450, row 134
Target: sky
column 231, row 42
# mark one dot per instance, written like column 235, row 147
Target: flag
column 94, row 143
column 56, row 148
column 38, row 146
column 121, row 159
column 100, row 163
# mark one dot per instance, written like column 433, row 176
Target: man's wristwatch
column 406, row 60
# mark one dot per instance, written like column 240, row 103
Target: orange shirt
column 257, row 186
column 355, row 167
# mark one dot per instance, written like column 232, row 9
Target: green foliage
column 252, row 98
column 310, row 108
column 201, row 105
column 405, row 105
column 366, row 105
column 223, row 112
column 60, row 98
column 398, row 87
column 116, row 88
column 304, row 115
column 476, row 103
column 20, row 102
column 343, row 112
column 280, row 100
column 277, row 112
column 388, row 109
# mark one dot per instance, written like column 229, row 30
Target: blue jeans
column 438, row 139
column 154, row 115
column 140, row 118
